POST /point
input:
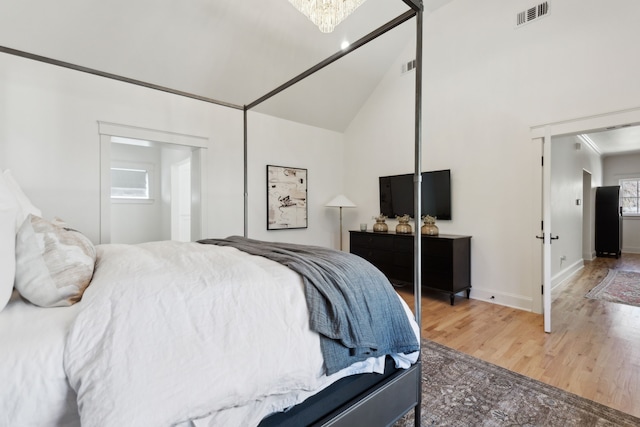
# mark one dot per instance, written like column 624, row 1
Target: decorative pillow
column 25, row 207
column 8, row 211
column 54, row 264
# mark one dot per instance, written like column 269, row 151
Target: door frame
column 545, row 132
column 198, row 146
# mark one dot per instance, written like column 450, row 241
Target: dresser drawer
column 382, row 241
column 403, row 244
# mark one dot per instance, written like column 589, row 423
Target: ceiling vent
column 532, row 14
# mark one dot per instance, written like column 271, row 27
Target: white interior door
column 546, row 230
column 181, row 201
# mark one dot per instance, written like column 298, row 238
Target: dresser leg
column 452, row 297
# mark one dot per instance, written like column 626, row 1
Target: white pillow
column 8, row 211
column 25, row 207
column 54, row 264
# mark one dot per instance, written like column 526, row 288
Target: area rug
column 619, row 286
column 460, row 390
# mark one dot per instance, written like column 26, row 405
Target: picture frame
column 286, row 198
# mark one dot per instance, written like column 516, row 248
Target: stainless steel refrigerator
column 608, row 221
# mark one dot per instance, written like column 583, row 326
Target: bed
column 195, row 334
column 186, row 334
column 180, row 343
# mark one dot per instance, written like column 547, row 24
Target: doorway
column 153, row 154
column 545, row 133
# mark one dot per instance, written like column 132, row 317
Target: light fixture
column 340, row 201
column 326, row 14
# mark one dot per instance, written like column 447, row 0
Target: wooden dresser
column 446, row 259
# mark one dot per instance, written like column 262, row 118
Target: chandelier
column 326, row 14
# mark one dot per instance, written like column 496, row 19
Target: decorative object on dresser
column 341, row 201
column 380, row 226
column 429, row 228
column 286, row 198
column 446, row 259
column 403, row 226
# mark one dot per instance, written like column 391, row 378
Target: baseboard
column 518, row 301
column 631, row 250
column 562, row 276
column 502, row 298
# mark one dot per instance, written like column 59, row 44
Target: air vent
column 532, row 13
column 408, row 66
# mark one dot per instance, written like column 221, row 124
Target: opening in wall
column 140, row 201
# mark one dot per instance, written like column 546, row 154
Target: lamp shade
column 340, row 201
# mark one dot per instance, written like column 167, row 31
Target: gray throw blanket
column 351, row 303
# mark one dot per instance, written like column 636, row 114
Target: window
column 129, row 183
column 630, row 196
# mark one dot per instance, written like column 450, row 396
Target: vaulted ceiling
column 234, row 51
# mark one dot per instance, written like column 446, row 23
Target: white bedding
column 34, row 390
column 169, row 333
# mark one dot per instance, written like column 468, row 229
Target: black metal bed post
column 417, row 274
column 246, row 180
column 95, row 72
column 417, row 280
column 333, row 58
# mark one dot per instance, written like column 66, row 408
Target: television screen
column 396, row 194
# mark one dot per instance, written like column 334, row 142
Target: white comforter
column 176, row 332
column 34, row 391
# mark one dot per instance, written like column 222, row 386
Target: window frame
column 149, row 168
column 621, row 182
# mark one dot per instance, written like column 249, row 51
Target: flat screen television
column 396, row 194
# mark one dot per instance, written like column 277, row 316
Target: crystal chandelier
column 326, row 14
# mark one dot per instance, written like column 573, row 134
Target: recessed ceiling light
column 344, row 45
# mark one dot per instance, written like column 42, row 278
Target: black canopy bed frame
column 366, row 399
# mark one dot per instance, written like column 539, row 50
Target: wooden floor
column 593, row 350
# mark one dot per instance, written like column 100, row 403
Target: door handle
column 553, row 238
column 541, row 237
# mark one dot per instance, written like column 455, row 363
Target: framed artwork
column 286, row 198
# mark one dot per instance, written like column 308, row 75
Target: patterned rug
column 460, row 390
column 619, row 286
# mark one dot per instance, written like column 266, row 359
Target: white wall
column 279, row 142
column 567, row 165
column 380, row 142
column 616, row 168
column 49, row 138
column 486, row 84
